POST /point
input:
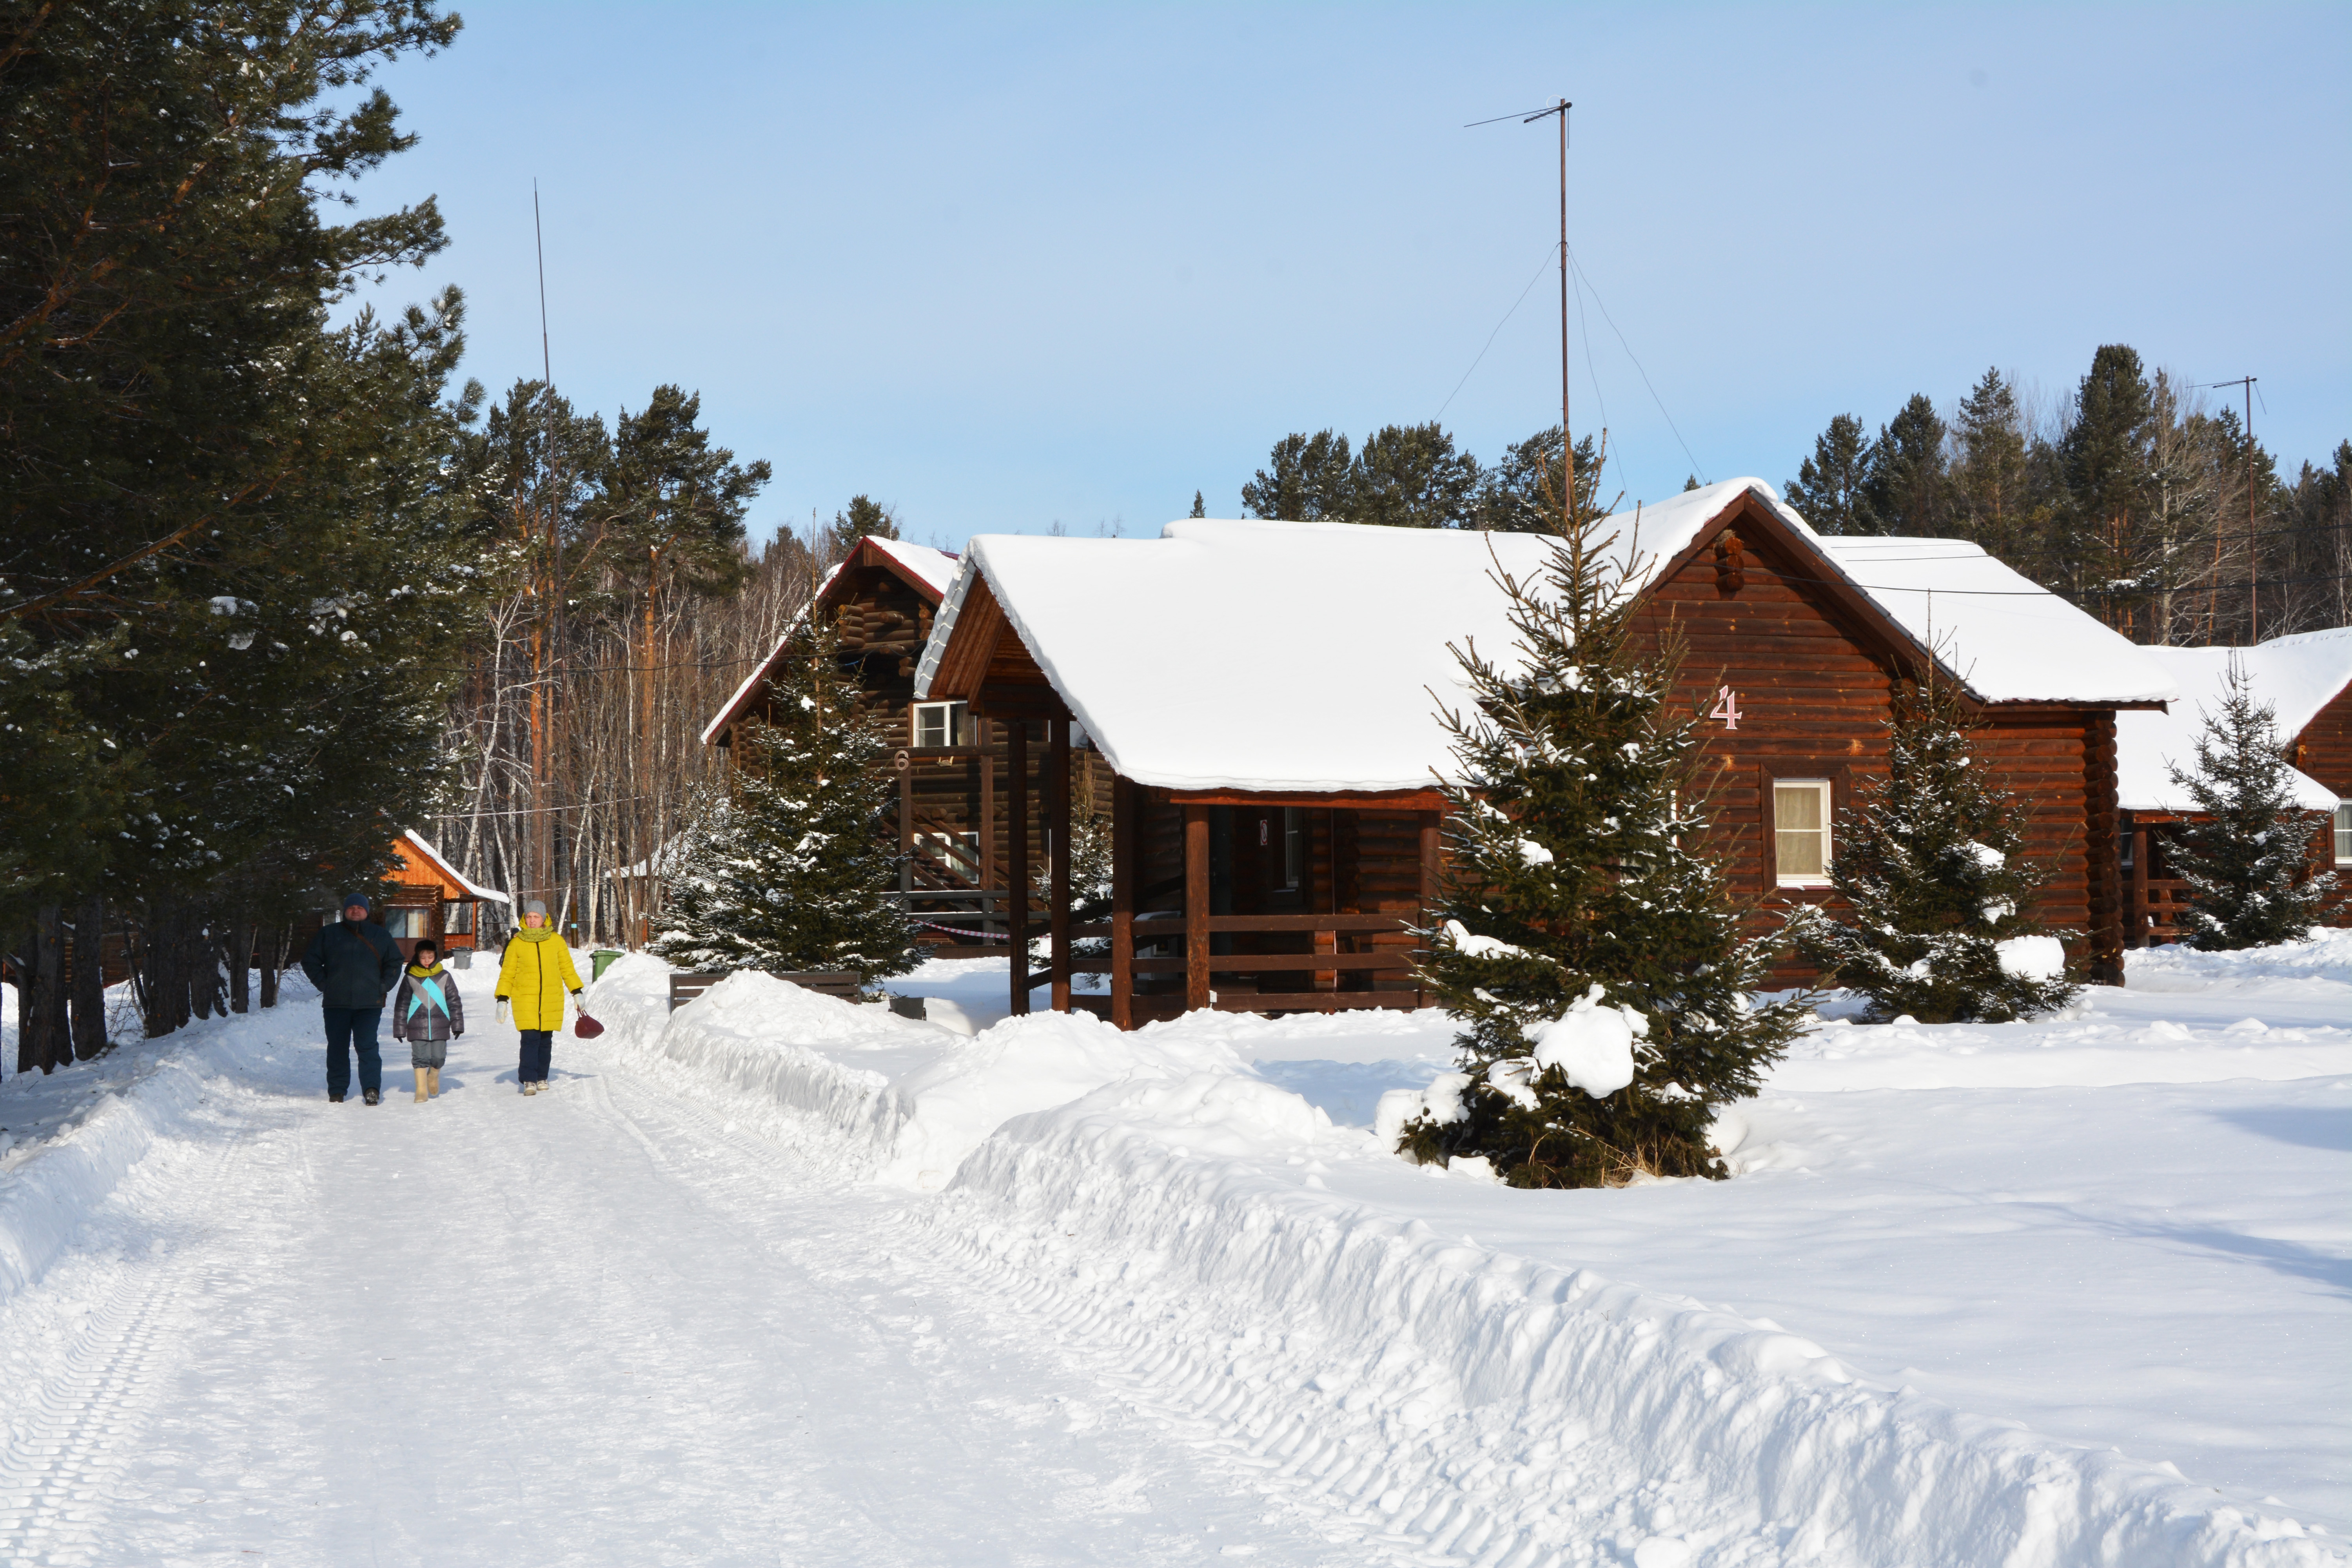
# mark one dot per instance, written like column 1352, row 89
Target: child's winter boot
column 421, row 1081
column 434, row 1087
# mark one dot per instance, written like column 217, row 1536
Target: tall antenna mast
column 1566, row 440
column 2254, row 565
column 538, row 238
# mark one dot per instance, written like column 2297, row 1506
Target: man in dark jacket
column 353, row 963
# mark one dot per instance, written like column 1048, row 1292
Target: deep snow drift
column 2071, row 1292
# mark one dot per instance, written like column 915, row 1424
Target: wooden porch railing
column 1244, row 982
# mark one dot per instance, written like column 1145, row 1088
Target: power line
column 1696, row 466
column 1499, row 325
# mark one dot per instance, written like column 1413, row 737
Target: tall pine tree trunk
column 88, row 985
column 240, row 963
column 53, row 1048
column 20, row 967
column 273, row 959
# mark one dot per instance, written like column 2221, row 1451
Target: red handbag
column 587, row 1028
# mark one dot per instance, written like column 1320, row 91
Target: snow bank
column 1506, row 1410
column 2325, row 956
column 1030, row 1064
column 755, row 1033
column 1160, row 1203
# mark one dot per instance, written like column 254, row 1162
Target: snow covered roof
column 2297, row 676
column 1331, row 638
column 449, row 872
column 930, row 571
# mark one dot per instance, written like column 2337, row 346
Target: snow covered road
column 773, row 1279
column 596, row 1326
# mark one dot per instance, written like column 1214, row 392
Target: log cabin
column 1264, row 693
column 428, row 896
column 2306, row 679
column 953, row 766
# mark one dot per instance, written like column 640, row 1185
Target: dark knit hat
column 350, row 899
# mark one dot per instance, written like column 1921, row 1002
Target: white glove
column 502, row 1009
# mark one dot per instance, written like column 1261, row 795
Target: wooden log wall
column 2324, row 750
column 1814, row 689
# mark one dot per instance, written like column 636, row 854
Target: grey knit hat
column 536, row 906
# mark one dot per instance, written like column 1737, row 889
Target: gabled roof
column 438, row 864
column 927, row 570
column 1309, row 657
column 2297, row 676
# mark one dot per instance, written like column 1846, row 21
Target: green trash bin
column 600, row 961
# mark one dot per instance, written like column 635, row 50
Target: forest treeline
column 273, row 587
column 2128, row 495
column 2138, row 498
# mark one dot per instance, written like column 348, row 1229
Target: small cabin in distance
column 2306, row 679
column 954, row 768
column 426, row 896
column 1278, row 836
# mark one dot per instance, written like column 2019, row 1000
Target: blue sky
column 1007, row 268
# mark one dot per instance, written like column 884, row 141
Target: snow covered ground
column 778, row 1280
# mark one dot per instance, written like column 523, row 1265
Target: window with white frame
column 408, row 920
column 2344, row 833
column 940, row 724
column 960, row 851
column 1801, row 832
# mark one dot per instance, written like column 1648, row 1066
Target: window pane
column 932, row 724
column 1797, row 806
column 1801, row 842
column 2344, row 834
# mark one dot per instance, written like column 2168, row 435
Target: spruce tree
column 1586, row 939
column 1830, row 490
column 2246, row 854
column 1907, row 488
column 1934, row 866
column 1199, row 509
column 790, row 872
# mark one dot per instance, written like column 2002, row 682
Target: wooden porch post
column 1122, row 904
column 906, row 831
column 1433, row 874
column 1017, row 908
column 1058, row 812
column 2136, row 936
column 1196, row 907
column 987, row 829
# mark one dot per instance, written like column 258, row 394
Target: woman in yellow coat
column 533, row 975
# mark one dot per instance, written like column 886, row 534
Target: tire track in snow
column 61, row 1471
column 1309, row 1487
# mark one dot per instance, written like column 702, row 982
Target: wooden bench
column 685, row 988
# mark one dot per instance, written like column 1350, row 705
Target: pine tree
column 2245, row 855
column 1934, row 866
column 788, row 873
column 1829, row 490
column 865, row 516
column 1586, row 940
column 1412, row 476
column 1520, row 494
column 2107, row 466
column 1198, row 508
column 1312, row 478
column 1990, row 494
column 1905, row 488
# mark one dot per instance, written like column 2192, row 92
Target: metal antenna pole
column 1567, row 446
column 2254, row 568
column 1567, row 439
column 538, row 238
column 2254, row 559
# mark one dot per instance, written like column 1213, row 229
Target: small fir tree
column 1934, row 866
column 1588, row 942
column 2245, row 855
column 790, row 871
